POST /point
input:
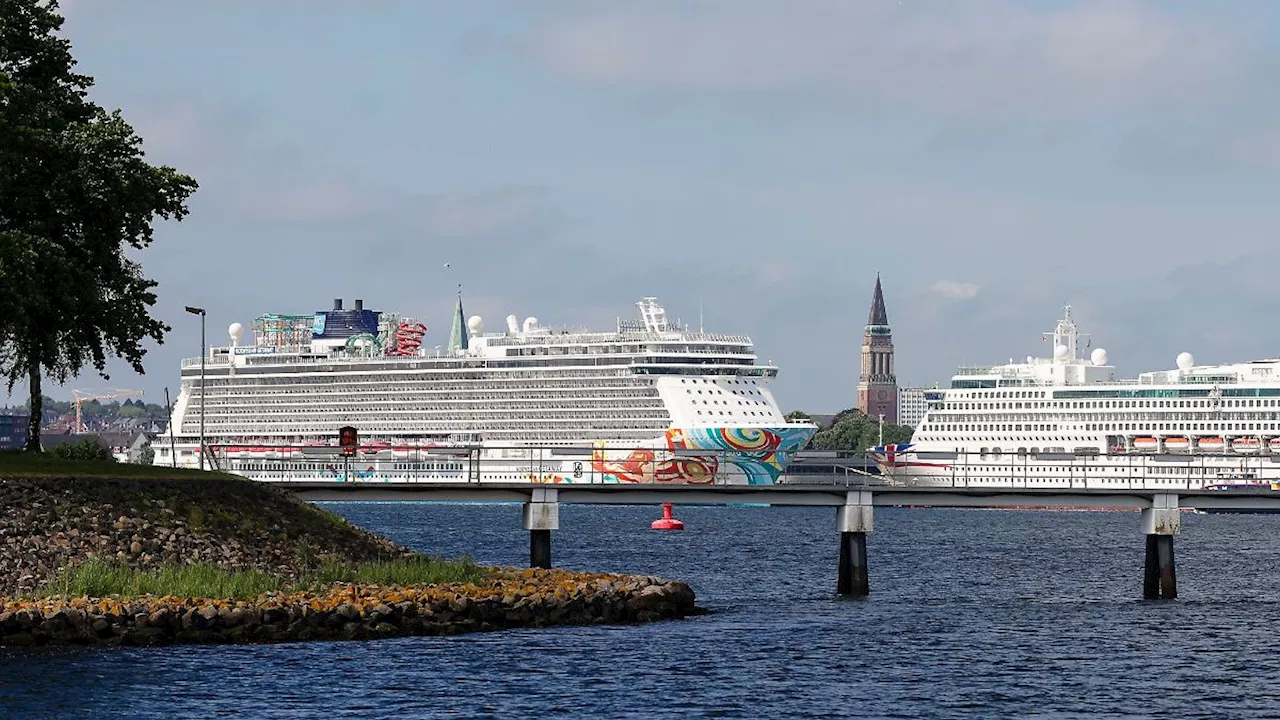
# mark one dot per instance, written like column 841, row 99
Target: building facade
column 912, row 405
column 877, row 384
column 13, row 431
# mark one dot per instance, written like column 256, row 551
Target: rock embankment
column 47, row 524
column 529, row 598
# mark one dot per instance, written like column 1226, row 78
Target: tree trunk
column 36, row 406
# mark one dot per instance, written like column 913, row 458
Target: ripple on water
column 973, row 613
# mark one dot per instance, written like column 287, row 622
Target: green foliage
column 87, row 450
column 851, row 431
column 797, row 416
column 147, row 456
column 100, row 578
column 417, row 570
column 75, row 195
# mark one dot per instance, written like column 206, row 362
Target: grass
column 24, row 464
column 99, row 578
column 417, row 570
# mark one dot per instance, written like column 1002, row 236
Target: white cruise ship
column 647, row 402
column 1065, row 421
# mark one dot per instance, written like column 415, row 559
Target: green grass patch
column 417, row 570
column 99, row 578
column 25, row 464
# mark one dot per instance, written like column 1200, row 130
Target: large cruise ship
column 1067, row 421
column 649, row 401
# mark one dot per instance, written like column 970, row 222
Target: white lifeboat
column 1247, row 445
column 1274, row 444
column 1177, row 443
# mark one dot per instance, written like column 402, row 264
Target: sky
column 755, row 161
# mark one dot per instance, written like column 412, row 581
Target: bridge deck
column 793, row 494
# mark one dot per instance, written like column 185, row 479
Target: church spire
column 458, row 335
column 878, row 315
column 877, row 383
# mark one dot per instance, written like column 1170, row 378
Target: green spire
column 458, row 335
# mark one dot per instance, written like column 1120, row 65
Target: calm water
column 974, row 613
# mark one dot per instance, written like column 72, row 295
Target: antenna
column 699, row 314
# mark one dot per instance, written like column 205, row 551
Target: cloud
column 956, row 290
column 981, row 57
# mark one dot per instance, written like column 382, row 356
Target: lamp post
column 200, row 312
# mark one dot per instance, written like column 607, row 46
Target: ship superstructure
column 647, row 401
column 1067, row 421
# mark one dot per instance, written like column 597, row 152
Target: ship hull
column 682, row 456
column 1169, row 471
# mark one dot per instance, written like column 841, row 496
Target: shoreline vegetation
column 99, row 553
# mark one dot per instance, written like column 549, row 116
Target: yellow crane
column 109, row 394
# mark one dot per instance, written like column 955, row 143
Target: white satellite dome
column 235, row 330
column 1098, row 356
column 1185, row 361
column 530, row 324
column 475, row 324
column 1060, row 352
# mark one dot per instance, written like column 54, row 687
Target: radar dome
column 475, row 324
column 530, row 324
column 1185, row 361
column 1060, row 352
column 235, row 330
column 1098, row 356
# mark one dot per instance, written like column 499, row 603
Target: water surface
column 973, row 613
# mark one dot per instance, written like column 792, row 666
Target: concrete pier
column 541, row 516
column 1160, row 523
column 854, row 522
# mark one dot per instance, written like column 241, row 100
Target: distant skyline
column 992, row 159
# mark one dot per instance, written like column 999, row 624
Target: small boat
column 1177, row 443
column 1246, row 445
column 1145, row 443
column 1211, row 444
column 1274, row 444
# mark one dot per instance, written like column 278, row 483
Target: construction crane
column 108, row 394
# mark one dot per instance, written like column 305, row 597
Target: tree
column 852, row 431
column 797, row 416
column 75, row 194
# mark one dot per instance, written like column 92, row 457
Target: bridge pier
column 541, row 516
column 1160, row 523
column 854, row 522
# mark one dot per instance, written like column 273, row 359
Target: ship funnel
column 359, row 305
column 513, row 324
column 337, row 303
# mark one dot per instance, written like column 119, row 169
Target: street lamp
column 200, row 312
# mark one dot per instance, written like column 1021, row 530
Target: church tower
column 877, row 385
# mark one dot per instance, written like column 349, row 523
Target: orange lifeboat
column 1211, row 444
column 1178, row 443
column 1246, row 445
column 1145, row 443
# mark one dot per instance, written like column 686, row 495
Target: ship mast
column 1066, row 335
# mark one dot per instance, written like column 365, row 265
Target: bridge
column 854, row 505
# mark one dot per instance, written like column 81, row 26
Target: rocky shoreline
column 49, row 524
column 530, row 598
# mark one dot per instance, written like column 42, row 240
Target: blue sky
column 991, row 159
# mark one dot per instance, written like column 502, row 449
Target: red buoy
column 666, row 522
